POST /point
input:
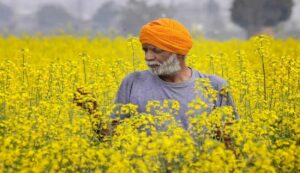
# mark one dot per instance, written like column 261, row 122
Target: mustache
column 153, row 63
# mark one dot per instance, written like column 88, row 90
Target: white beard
column 169, row 67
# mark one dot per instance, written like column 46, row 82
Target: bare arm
column 87, row 101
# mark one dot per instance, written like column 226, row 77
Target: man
column 166, row 43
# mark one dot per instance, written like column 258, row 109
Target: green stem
column 264, row 74
column 84, row 69
column 23, row 65
column 133, row 55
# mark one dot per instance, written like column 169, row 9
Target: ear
column 181, row 57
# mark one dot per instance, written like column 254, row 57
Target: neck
column 184, row 74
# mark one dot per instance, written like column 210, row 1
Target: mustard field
column 43, row 130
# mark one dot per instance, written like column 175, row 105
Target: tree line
column 253, row 16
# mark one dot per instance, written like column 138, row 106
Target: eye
column 157, row 50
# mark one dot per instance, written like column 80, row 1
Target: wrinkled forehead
column 147, row 46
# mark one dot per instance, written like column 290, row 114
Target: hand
column 225, row 137
column 85, row 100
column 108, row 130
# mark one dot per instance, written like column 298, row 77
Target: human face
column 160, row 62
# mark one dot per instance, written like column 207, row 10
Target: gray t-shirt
column 140, row 87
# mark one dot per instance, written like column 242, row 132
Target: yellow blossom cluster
column 42, row 128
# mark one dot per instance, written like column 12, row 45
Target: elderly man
column 166, row 43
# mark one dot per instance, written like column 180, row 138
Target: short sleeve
column 225, row 99
column 224, row 96
column 123, row 94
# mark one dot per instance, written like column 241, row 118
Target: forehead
column 149, row 46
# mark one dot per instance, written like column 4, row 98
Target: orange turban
column 167, row 34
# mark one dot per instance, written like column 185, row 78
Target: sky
column 90, row 6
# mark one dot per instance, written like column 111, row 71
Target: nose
column 149, row 56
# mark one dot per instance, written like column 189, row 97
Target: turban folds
column 167, row 34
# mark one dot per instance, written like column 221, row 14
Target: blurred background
column 212, row 19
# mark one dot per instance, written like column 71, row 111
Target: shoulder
column 216, row 81
column 137, row 76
